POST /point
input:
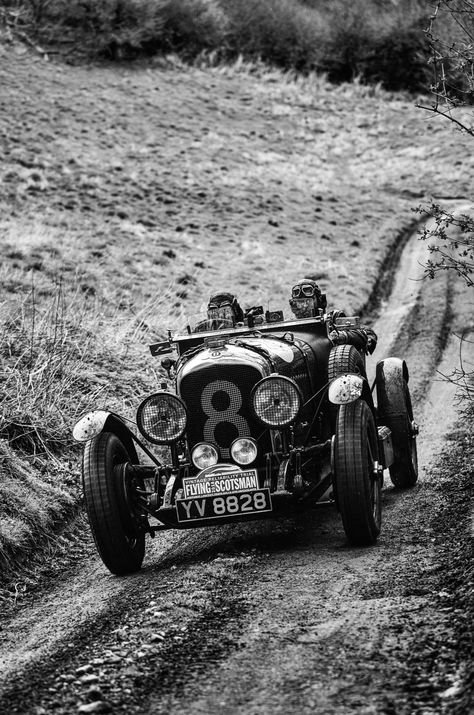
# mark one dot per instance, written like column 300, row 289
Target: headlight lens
column 243, row 451
column 161, row 418
column 276, row 401
column 345, row 388
column 204, row 455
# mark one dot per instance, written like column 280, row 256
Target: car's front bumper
column 283, row 504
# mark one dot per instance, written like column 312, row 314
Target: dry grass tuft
column 48, row 352
column 63, row 351
column 32, row 506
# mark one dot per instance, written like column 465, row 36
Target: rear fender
column 93, row 423
column 392, row 369
column 391, row 376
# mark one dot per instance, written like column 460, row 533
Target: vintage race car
column 264, row 419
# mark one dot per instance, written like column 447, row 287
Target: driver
column 225, row 307
column 308, row 301
column 223, row 311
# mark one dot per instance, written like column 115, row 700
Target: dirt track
column 274, row 617
column 280, row 616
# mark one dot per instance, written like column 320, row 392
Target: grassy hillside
column 127, row 194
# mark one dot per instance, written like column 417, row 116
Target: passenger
column 223, row 311
column 307, row 301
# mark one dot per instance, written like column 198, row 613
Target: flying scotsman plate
column 222, row 494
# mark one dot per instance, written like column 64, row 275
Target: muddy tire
column 347, row 359
column 395, row 411
column 119, row 540
column 358, row 490
column 344, row 359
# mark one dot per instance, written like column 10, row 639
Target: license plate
column 218, row 507
column 220, row 482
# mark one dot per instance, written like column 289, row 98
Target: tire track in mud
column 427, row 317
column 248, row 647
column 52, row 636
column 222, row 613
column 182, row 653
column 397, row 259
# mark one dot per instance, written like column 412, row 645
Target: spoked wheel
column 109, row 501
column 395, row 411
column 358, row 487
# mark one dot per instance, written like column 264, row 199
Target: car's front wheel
column 343, row 359
column 119, row 539
column 357, row 484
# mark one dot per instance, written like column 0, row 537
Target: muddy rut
column 273, row 617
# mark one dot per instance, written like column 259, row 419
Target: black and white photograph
column 236, row 357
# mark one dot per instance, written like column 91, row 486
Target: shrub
column 450, row 36
column 130, row 28
column 377, row 46
column 191, row 27
column 276, row 31
column 400, row 59
column 375, row 40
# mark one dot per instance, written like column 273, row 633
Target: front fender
column 97, row 421
column 346, row 388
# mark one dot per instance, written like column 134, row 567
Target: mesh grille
column 218, row 402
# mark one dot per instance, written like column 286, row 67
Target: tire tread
column 356, row 427
column 102, row 494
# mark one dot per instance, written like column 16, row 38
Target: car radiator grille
column 218, row 403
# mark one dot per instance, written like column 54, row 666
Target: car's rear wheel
column 357, row 485
column 109, row 503
column 394, row 409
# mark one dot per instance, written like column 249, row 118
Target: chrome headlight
column 243, row 451
column 161, row 418
column 276, row 401
column 345, row 388
column 204, row 455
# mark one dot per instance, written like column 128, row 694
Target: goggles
column 215, row 306
column 221, row 311
column 306, row 290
